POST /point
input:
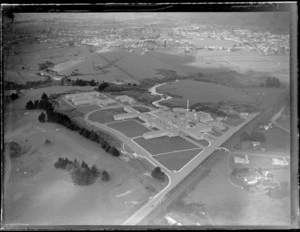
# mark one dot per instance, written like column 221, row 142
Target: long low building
column 160, row 133
column 125, row 116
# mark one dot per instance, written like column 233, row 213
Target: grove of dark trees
column 81, row 174
column 60, row 118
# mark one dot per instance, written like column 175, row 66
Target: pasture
column 130, row 128
column 164, row 144
column 176, row 160
column 197, row 91
column 105, row 116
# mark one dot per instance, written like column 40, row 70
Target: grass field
column 87, row 109
column 202, row 142
column 164, row 144
column 105, row 116
column 38, row 194
column 277, row 141
column 130, row 128
column 197, row 91
column 176, row 160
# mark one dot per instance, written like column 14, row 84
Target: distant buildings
column 125, row 98
column 89, row 98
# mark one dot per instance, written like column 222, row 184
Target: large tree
column 42, row 117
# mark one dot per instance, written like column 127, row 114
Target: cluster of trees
column 158, row 174
column 209, row 108
column 60, row 118
column 46, row 65
column 42, row 104
column 11, row 97
column 272, row 82
column 9, row 85
column 254, row 136
column 81, row 174
column 80, row 82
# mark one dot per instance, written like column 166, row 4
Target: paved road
column 276, row 116
column 174, row 177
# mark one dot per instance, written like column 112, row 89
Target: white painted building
column 281, row 162
column 239, row 160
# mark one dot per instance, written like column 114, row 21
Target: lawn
column 87, row 109
column 176, row 160
column 105, row 116
column 202, row 142
column 130, row 128
column 164, row 144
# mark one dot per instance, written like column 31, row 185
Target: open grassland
column 176, row 160
column 202, row 92
column 105, row 116
column 277, row 141
column 36, row 193
column 129, row 128
column 227, row 204
column 164, row 144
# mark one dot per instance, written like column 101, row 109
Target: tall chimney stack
column 187, row 105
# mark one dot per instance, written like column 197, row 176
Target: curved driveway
column 174, row 177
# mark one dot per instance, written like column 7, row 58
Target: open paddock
column 176, row 160
column 197, row 91
column 130, row 128
column 105, row 116
column 164, row 144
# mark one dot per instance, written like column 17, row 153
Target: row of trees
column 60, row 118
column 81, row 174
column 254, row 136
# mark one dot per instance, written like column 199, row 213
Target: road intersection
column 174, row 177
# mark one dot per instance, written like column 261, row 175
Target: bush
column 105, row 176
column 42, row 117
column 158, row 174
